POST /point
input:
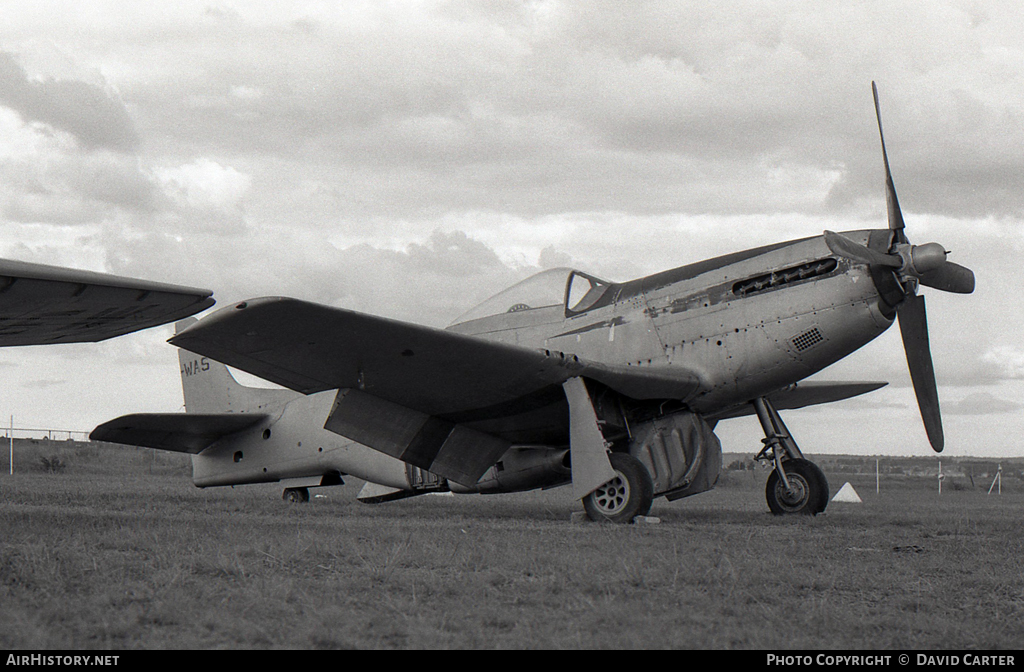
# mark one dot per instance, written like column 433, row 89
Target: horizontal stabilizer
column 178, row 432
column 805, row 393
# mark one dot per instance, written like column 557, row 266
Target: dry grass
column 126, row 553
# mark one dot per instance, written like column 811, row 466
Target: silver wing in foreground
column 41, row 305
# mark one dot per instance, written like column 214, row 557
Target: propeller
column 913, row 264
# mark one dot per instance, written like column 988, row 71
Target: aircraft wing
column 42, row 304
column 805, row 393
column 179, row 432
column 310, row 348
column 409, row 390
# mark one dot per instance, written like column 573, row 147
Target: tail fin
column 209, row 387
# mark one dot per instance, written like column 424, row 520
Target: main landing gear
column 626, row 496
column 295, row 495
column 795, row 484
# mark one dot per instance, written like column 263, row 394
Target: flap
column 804, row 393
column 444, row 448
column 42, row 304
column 179, row 432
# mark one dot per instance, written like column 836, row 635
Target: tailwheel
column 807, row 492
column 624, row 497
column 295, row 495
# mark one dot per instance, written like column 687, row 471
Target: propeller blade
column 892, row 203
column 849, row 249
column 950, row 277
column 914, row 330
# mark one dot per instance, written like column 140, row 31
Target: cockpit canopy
column 558, row 287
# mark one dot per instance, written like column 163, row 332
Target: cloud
column 982, row 403
column 204, row 183
column 89, row 113
column 49, row 184
column 1004, row 362
column 44, row 383
column 411, row 159
column 547, row 108
column 552, row 258
column 430, row 282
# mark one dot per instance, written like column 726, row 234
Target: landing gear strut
column 796, row 485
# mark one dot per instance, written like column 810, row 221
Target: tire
column 626, row 496
column 295, row 495
column 810, row 489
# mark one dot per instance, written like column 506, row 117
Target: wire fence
column 6, row 434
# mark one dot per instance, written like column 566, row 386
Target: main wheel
column 808, row 493
column 626, row 496
column 295, row 495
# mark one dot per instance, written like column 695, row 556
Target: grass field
column 120, row 551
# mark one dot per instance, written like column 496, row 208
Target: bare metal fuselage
column 746, row 324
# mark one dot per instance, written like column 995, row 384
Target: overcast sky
column 410, row 159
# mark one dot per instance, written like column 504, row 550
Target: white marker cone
column 847, row 494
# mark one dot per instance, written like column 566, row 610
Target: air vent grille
column 808, row 339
